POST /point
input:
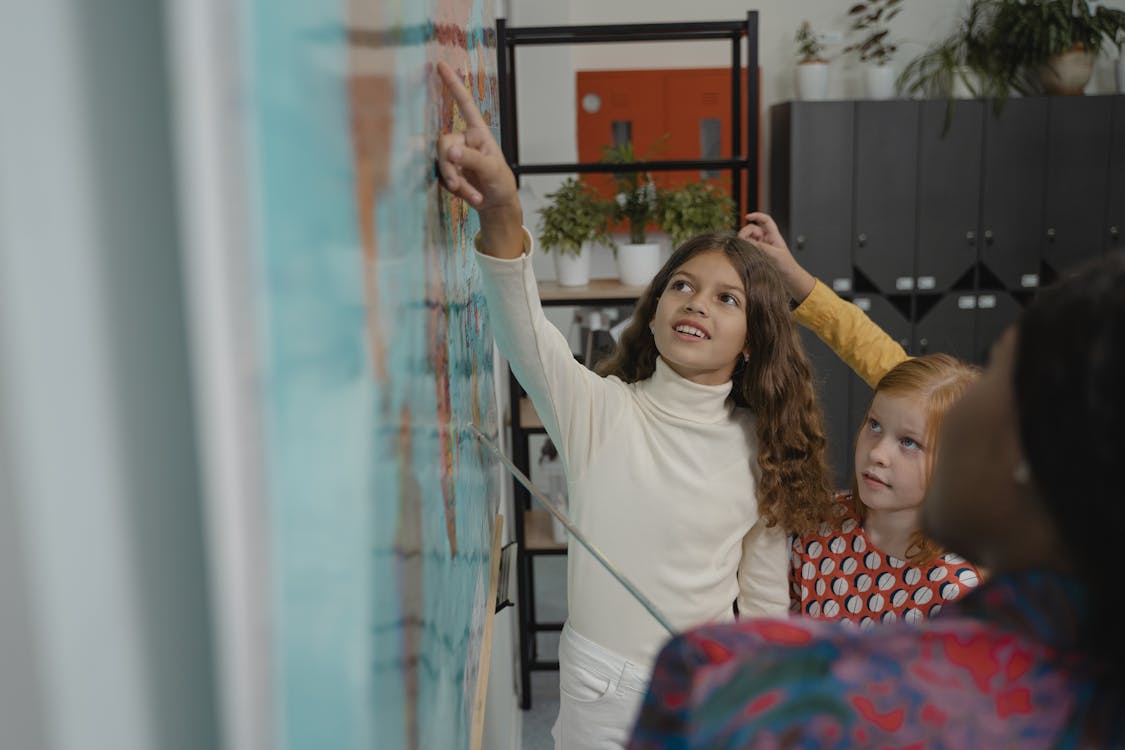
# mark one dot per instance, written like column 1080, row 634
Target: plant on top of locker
column 810, row 48
column 871, row 18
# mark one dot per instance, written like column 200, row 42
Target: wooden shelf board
column 600, row 289
column 537, row 531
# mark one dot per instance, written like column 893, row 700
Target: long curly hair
column 937, row 382
column 775, row 383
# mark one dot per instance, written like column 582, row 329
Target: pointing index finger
column 461, row 95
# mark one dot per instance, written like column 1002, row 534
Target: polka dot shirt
column 838, row 574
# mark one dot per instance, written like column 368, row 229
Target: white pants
column 600, row 694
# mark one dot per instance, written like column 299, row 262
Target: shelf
column 537, row 532
column 529, row 419
column 601, row 290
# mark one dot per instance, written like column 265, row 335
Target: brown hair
column 937, row 381
column 794, row 486
column 1068, row 374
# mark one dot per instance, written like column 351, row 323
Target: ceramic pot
column 1067, row 73
column 573, row 269
column 637, row 264
column 880, row 81
column 812, row 81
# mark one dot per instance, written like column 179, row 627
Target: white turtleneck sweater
column 661, row 479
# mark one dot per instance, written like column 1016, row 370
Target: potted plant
column 637, row 260
column 695, row 208
column 871, row 19
column 574, row 217
column 812, row 66
column 1048, row 46
column 957, row 67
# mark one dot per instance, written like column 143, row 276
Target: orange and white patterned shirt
column 838, row 574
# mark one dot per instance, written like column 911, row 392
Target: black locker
column 888, row 317
column 811, row 186
column 886, row 174
column 1078, row 147
column 1115, row 204
column 1013, row 167
column 996, row 310
column 831, row 377
column 948, row 193
column 948, row 327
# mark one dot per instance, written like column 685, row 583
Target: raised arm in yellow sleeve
column 854, row 337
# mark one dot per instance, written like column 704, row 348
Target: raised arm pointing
column 472, row 167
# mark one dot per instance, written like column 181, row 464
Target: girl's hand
column 470, row 163
column 761, row 228
column 762, row 231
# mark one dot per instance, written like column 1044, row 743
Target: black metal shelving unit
column 743, row 165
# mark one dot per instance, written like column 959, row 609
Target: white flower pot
column 571, row 269
column 1121, row 75
column 880, row 81
column 812, row 81
column 966, row 83
column 637, row 264
column 1068, row 73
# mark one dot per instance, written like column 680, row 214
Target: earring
column 1021, row 474
column 745, row 357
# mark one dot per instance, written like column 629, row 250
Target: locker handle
column 971, row 236
column 923, row 343
column 988, row 236
column 862, row 239
column 800, row 242
column 1051, row 233
column 1114, row 232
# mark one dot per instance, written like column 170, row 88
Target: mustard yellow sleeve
column 864, row 346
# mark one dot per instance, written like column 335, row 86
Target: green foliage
column 696, row 208
column 1022, row 35
column 871, row 19
column 1004, row 42
column 636, row 193
column 576, row 214
column 963, row 55
column 809, row 46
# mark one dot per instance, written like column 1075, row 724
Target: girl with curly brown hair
column 688, row 457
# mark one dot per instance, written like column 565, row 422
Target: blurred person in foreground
column 1027, row 485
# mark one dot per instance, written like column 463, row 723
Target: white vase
column 637, row 264
column 812, row 81
column 1067, row 73
column 573, row 269
column 880, row 81
column 1121, row 75
column 966, row 83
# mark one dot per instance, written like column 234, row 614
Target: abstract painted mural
column 378, row 358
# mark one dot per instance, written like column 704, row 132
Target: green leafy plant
column 575, row 214
column 809, row 47
column 964, row 55
column 1000, row 45
column 696, row 208
column 636, row 193
column 1023, row 35
column 871, row 19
